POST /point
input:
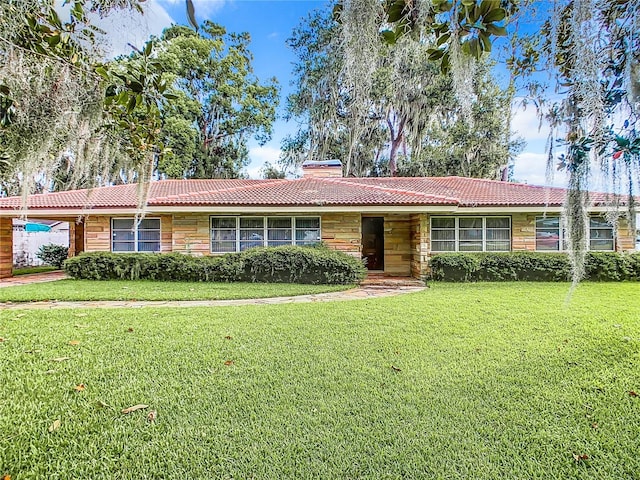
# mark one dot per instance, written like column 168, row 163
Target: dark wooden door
column 373, row 242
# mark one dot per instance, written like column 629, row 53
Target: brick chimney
column 325, row 168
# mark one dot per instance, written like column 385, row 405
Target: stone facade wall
column 626, row 240
column 6, row 247
column 166, row 233
column 397, row 245
column 97, row 234
column 342, row 231
column 407, row 246
column 419, row 244
column 191, row 234
column 523, row 231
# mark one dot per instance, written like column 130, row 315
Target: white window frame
column 135, row 234
column 265, row 230
column 457, row 232
column 563, row 234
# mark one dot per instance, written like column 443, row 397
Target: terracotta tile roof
column 453, row 191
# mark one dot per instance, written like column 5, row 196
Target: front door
column 373, row 242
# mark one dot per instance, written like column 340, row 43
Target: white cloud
column 258, row 157
column 123, row 27
column 126, row 27
column 526, row 124
column 530, row 167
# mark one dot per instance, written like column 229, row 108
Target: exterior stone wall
column 523, row 231
column 97, row 234
column 397, row 245
column 191, row 234
column 342, row 231
column 626, row 240
column 6, row 247
column 166, row 233
column 407, row 245
column 419, row 244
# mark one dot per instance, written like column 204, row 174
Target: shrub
column 532, row 266
column 606, row 266
column 52, row 254
column 301, row 265
column 454, row 267
column 272, row 264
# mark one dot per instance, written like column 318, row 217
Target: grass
column 30, row 270
column 489, row 381
column 87, row 290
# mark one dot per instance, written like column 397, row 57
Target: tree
column 219, row 104
column 60, row 105
column 477, row 147
column 388, row 122
column 270, row 172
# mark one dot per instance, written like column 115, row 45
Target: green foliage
column 52, row 254
column 217, row 102
column 273, row 264
column 302, row 265
column 30, row 270
column 532, row 266
column 408, row 121
column 271, row 172
column 472, row 24
column 68, row 118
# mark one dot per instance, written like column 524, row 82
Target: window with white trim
column 601, row 235
column 470, row 234
column 129, row 236
column 551, row 234
column 235, row 234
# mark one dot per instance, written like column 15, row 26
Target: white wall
column 26, row 244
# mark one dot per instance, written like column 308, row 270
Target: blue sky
column 270, row 23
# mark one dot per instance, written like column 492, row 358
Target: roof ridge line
column 391, row 190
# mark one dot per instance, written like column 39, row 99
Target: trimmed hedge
column 532, row 266
column 287, row 264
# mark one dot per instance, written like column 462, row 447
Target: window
column 470, row 234
column 551, row 234
column 600, row 234
column 235, row 234
column 127, row 236
column 223, row 234
column 307, row 230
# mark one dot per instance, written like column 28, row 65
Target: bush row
column 270, row 264
column 532, row 266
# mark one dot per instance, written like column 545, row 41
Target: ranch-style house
column 395, row 223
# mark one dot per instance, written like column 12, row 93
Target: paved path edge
column 359, row 293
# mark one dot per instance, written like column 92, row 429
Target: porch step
column 373, row 280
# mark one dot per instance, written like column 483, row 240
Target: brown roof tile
column 466, row 192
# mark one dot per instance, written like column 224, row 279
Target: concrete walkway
column 33, row 278
column 375, row 289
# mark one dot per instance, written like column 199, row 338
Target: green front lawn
column 86, row 290
column 468, row 381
